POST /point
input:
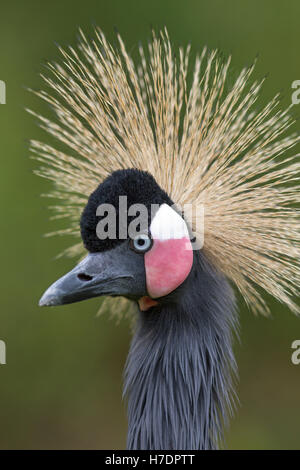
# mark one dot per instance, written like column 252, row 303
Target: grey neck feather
column 178, row 376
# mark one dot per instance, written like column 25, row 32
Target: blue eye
column 141, row 243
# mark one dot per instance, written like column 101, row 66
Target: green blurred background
column 61, row 387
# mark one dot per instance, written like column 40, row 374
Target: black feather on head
column 140, row 188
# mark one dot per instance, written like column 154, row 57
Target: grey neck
column 178, row 376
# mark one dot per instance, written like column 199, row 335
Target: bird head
column 145, row 131
column 143, row 258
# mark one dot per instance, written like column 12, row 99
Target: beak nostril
column 84, row 277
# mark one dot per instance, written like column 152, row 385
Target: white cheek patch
column 167, row 224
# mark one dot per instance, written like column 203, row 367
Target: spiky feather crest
column 203, row 145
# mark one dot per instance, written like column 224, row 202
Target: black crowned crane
column 167, row 138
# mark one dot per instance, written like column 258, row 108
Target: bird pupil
column 141, row 241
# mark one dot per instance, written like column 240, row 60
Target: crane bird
column 164, row 133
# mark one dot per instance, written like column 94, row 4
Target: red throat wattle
column 146, row 302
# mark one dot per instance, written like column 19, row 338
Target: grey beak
column 96, row 275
